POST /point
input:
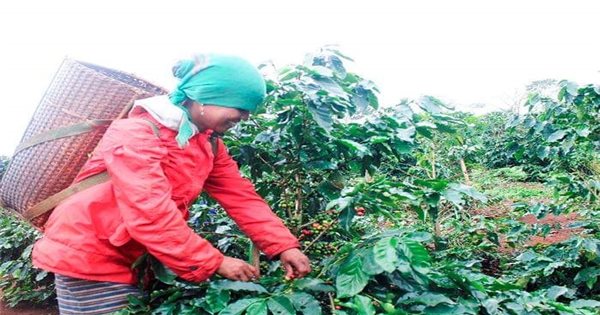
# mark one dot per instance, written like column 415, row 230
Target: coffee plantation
column 413, row 208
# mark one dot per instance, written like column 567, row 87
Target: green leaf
column 322, row 71
column 407, row 134
column 165, row 309
column 363, row 305
column 557, row 135
column 466, row 190
column 239, row 306
column 543, row 152
column 491, row 306
column 215, row 300
column 570, row 87
column 339, row 204
column 369, row 266
column 162, row 273
column 428, row 298
column 379, row 139
column 588, row 275
column 453, row 196
column 385, row 254
column 435, row 184
column 404, row 111
column 355, row 147
column 258, row 308
column 346, row 217
column 238, row 286
column 583, row 131
column 360, row 98
column 419, row 236
column 331, row 87
column 416, row 253
column 425, row 124
column 306, row 303
column 322, row 116
column 41, row 275
column 555, row 291
column 351, row 279
column 281, row 305
column 432, row 105
column 313, row 284
column 585, row 303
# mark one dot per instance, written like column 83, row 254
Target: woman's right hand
column 237, row 269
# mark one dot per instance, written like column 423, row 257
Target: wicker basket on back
column 70, row 119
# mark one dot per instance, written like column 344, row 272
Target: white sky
column 464, row 52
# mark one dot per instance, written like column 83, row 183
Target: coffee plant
column 19, row 280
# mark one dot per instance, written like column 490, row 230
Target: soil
column 495, row 211
column 560, row 232
column 28, row 310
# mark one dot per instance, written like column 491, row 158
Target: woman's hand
column 237, row 269
column 295, row 263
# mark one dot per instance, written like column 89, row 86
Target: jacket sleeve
column 143, row 195
column 249, row 211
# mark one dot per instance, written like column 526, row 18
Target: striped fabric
column 77, row 296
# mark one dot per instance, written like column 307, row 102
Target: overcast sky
column 464, row 52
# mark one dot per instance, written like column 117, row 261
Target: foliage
column 394, row 272
column 19, row 281
column 563, row 134
column 172, row 296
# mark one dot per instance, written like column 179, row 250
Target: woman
column 159, row 159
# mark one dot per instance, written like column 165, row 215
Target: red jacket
column 98, row 233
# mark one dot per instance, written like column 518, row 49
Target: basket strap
column 52, row 201
column 62, row 132
column 154, row 127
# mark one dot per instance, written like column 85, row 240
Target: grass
column 508, row 184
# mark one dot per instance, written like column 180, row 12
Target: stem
column 254, row 258
column 219, row 234
column 465, row 172
column 307, row 224
column 254, row 121
column 373, row 298
column 264, row 161
column 289, row 213
column 437, row 229
column 331, row 303
column 324, row 269
column 318, row 237
column 433, row 173
column 298, row 204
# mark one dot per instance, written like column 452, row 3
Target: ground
column 560, row 232
column 27, row 310
column 510, row 192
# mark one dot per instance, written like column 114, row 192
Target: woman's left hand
column 295, row 263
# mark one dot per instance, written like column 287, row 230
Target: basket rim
column 88, row 67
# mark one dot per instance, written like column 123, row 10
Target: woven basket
column 79, row 93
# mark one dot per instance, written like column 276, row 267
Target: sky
column 475, row 55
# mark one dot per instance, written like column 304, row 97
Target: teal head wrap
column 214, row 79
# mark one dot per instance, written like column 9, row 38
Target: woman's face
column 217, row 118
